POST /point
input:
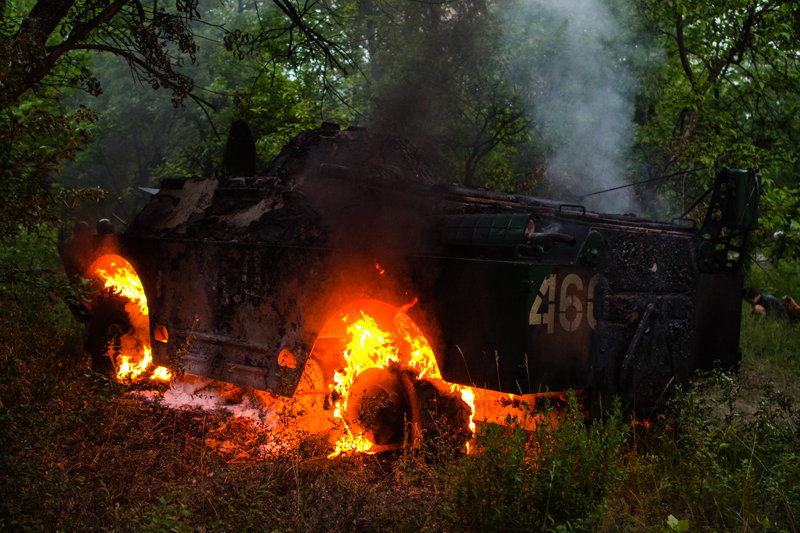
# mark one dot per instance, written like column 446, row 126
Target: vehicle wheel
column 311, row 389
column 108, row 323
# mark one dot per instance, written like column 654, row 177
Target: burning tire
column 380, row 408
column 118, row 332
column 385, row 384
column 392, row 408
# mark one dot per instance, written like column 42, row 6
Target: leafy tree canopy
column 47, row 50
column 512, row 93
column 726, row 91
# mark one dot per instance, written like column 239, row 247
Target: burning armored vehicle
column 346, row 272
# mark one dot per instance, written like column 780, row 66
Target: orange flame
column 161, row 373
column 135, row 358
column 369, row 347
column 121, row 279
column 375, row 343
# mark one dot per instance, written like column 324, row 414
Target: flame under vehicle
column 266, row 282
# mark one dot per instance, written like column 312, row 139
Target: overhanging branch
column 163, row 78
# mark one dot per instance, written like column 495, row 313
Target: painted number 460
column 575, row 301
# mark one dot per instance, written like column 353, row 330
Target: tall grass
column 706, row 467
column 771, row 350
column 555, row 477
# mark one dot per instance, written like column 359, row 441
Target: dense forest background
column 559, row 99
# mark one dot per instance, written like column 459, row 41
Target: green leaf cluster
column 725, row 91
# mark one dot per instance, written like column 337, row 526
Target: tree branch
column 46, row 64
column 134, row 60
column 682, row 52
column 43, row 19
column 315, row 38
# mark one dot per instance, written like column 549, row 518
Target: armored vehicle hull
column 515, row 294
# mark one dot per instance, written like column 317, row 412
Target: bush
column 38, row 338
column 716, row 463
column 556, row 477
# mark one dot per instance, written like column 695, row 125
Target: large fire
column 369, row 346
column 133, row 359
column 377, row 335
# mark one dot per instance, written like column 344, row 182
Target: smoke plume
column 582, row 99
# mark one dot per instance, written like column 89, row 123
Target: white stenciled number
column 570, row 303
column 546, row 317
column 570, row 308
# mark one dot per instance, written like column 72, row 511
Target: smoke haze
column 582, row 102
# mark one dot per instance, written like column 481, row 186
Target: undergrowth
column 711, row 464
column 555, row 477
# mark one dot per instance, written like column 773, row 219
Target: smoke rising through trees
column 582, row 100
column 532, row 96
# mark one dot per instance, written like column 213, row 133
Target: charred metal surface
column 516, row 293
column 241, row 269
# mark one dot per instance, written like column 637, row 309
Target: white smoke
column 278, row 424
column 208, row 395
column 582, row 104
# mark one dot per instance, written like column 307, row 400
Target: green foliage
column 35, row 139
column 772, row 347
column 166, row 515
column 52, row 49
column 45, row 54
column 78, row 454
column 717, row 467
column 140, row 139
column 36, row 329
column 39, row 349
column 462, row 82
column 779, row 222
column 724, row 93
column 556, row 478
column 444, row 77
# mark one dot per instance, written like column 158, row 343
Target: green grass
column 555, row 477
column 725, row 455
column 771, row 351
